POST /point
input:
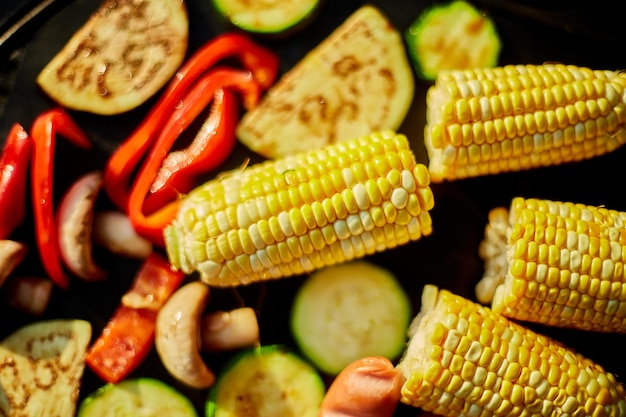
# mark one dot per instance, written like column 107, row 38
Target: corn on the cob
column 556, row 263
column 293, row 215
column 463, row 359
column 517, row 117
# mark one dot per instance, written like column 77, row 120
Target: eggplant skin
column 123, row 54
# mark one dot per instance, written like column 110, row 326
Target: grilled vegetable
column 46, row 128
column 128, row 336
column 488, row 121
column 450, row 36
column 29, row 294
column 137, row 397
column 15, row 157
column 293, row 215
column 349, row 311
column 42, row 367
column 228, row 330
column 463, row 358
column 556, row 263
column 121, row 167
column 266, row 381
column 74, row 222
column 12, row 253
column 177, row 335
column 112, row 230
column 120, row 57
column 356, row 81
column 267, row 17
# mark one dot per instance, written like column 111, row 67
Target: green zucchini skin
column 348, row 311
column 452, row 35
column 270, row 18
column 142, row 396
column 269, row 380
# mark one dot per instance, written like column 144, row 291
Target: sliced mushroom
column 12, row 253
column 29, row 294
column 234, row 329
column 177, row 335
column 114, row 231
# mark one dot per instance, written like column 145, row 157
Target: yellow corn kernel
column 530, row 116
column 369, row 195
column 550, row 379
column 575, row 276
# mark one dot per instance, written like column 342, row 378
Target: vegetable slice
column 269, row 380
column 14, row 166
column 12, row 253
column 454, row 35
column 267, row 17
column 349, row 311
column 75, row 224
column 46, row 127
column 123, row 55
column 144, row 397
column 357, row 80
column 42, row 368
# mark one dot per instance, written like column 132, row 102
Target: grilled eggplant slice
column 356, row 81
column 120, row 57
column 41, row 366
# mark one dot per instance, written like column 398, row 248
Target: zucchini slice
column 144, row 397
column 453, row 35
column 348, row 311
column 267, row 381
column 268, row 16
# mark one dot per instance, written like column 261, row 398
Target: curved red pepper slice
column 260, row 61
column 199, row 97
column 210, row 148
column 44, row 132
column 14, row 166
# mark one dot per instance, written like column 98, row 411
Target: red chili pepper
column 128, row 337
column 14, row 166
column 260, row 61
column 151, row 226
column 44, row 132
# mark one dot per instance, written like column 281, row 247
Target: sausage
column 368, row 387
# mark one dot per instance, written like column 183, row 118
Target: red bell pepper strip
column 128, row 336
column 151, row 226
column 210, row 148
column 260, row 61
column 14, row 167
column 214, row 141
column 44, row 132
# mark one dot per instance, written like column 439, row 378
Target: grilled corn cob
column 512, row 118
column 556, row 263
column 302, row 212
column 463, row 359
